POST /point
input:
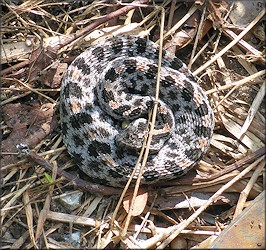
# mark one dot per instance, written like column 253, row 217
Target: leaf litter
column 40, row 38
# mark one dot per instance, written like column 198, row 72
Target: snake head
column 133, row 136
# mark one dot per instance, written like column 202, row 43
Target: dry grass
column 39, row 39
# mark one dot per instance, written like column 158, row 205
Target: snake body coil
column 114, row 82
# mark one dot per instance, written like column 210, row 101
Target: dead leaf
column 29, row 123
column 140, row 201
column 40, row 59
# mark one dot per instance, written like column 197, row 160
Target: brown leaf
column 140, row 201
column 30, row 124
column 39, row 60
column 53, row 79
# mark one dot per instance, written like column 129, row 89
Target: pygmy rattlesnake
column 114, row 82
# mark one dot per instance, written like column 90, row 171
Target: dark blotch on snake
column 98, row 53
column 78, row 120
column 82, row 65
column 141, row 45
column 111, row 75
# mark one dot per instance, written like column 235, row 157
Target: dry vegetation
column 39, row 39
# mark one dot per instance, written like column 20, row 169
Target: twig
column 245, row 45
column 75, row 181
column 31, row 89
column 244, row 194
column 172, row 232
column 178, row 25
column 253, row 109
column 100, row 21
column 231, row 44
column 249, row 158
column 153, row 119
column 79, row 34
column 197, row 37
column 238, row 83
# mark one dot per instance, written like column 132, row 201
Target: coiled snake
column 114, row 82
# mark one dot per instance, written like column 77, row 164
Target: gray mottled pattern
column 114, row 82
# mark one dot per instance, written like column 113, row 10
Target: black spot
column 186, row 95
column 175, row 107
column 199, row 111
column 85, row 68
column 122, row 109
column 188, row 109
column 95, row 166
column 117, row 46
column 130, row 51
column 168, row 81
column 189, row 86
column 172, row 146
column 78, row 120
column 78, row 141
column 77, row 157
column 171, row 154
column 87, row 82
column 103, row 132
column 194, row 154
column 140, row 77
column 177, row 171
column 170, row 166
column 135, row 112
column 151, row 72
column 172, row 95
column 73, row 90
column 144, row 88
column 102, row 147
column 133, row 83
column 78, row 61
column 99, row 53
column 141, row 45
column 202, row 131
column 64, row 128
column 88, row 106
column 63, row 109
column 96, row 148
column 92, row 150
column 133, row 90
column 204, row 108
column 111, row 75
column 176, row 64
column 151, row 175
column 107, row 95
column 150, row 103
column 131, row 65
column 82, row 65
column 137, row 102
column 115, row 174
column 120, row 152
column 66, row 91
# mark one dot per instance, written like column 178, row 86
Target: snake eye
column 125, row 123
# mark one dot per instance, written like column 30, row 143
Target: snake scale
column 106, row 96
